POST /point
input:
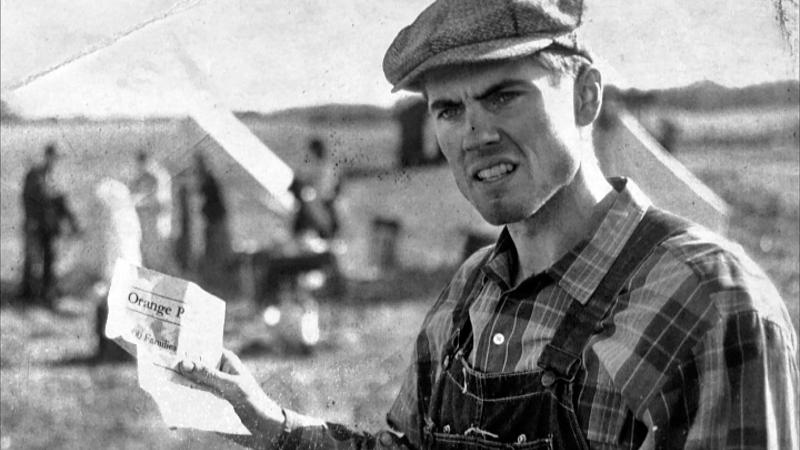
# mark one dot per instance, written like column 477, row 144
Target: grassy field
column 54, row 397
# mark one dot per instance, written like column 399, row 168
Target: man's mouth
column 495, row 172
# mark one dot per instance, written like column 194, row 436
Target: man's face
column 508, row 132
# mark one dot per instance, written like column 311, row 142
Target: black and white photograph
column 419, row 224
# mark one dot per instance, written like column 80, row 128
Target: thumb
column 230, row 363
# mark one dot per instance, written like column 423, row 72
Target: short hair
column 561, row 62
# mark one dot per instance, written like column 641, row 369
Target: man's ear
column 588, row 96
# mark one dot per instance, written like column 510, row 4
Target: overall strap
column 461, row 336
column 460, row 327
column 563, row 354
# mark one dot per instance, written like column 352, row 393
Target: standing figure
column 316, row 191
column 115, row 234
column 45, row 211
column 217, row 253
column 184, row 256
column 114, row 228
column 326, row 181
column 152, row 194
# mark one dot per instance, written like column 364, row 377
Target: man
column 316, row 191
column 595, row 321
column 215, row 213
column 217, row 254
column 45, row 211
column 327, row 182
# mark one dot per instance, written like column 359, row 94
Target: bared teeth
column 494, row 171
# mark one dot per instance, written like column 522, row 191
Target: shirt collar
column 503, row 260
column 581, row 270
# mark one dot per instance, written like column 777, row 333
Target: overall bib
column 470, row 409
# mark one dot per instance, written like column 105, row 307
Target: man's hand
column 234, row 383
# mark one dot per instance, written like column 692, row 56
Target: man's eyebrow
column 499, row 86
column 443, row 103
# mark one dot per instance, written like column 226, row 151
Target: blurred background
column 702, row 108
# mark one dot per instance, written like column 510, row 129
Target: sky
column 146, row 57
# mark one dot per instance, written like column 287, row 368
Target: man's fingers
column 191, row 370
column 202, row 374
column 187, row 366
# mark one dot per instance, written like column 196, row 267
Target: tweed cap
column 467, row 31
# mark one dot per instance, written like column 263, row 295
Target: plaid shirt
column 701, row 354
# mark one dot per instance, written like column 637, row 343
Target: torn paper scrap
column 161, row 320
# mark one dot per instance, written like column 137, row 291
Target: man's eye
column 502, row 98
column 448, row 113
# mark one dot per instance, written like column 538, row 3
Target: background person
column 151, row 190
column 316, row 191
column 595, row 320
column 215, row 213
column 114, row 229
column 114, row 233
column 215, row 264
column 185, row 257
column 46, row 209
column 326, row 181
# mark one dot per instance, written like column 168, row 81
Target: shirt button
column 498, row 339
column 521, row 438
column 446, row 428
column 548, row 379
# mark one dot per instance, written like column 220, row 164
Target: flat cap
column 467, row 31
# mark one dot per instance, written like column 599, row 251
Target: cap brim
column 481, row 52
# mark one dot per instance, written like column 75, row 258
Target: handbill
column 161, row 320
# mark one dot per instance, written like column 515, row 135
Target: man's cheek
column 451, row 154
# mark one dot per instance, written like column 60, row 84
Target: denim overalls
column 469, row 409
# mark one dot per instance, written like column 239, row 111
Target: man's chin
column 500, row 217
column 506, row 213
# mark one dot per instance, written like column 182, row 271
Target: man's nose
column 480, row 130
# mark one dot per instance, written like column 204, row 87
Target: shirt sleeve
column 303, row 432
column 740, row 391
